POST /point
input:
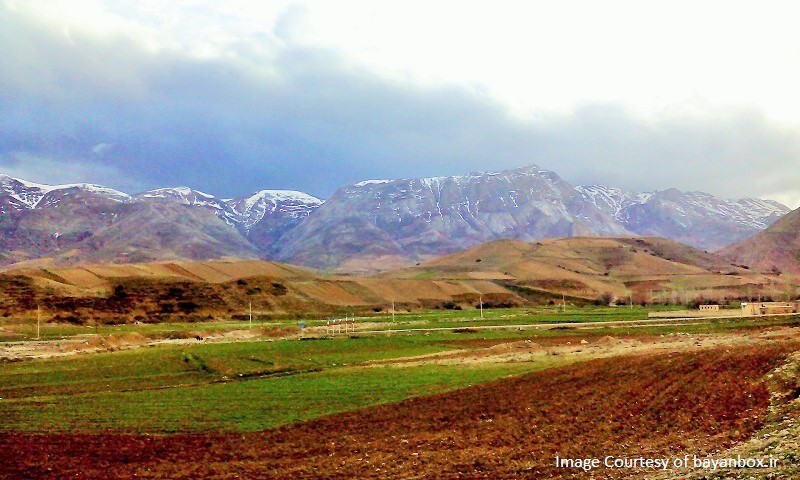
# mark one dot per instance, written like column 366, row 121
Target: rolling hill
column 502, row 273
column 647, row 269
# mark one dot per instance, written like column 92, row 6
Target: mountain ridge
column 369, row 222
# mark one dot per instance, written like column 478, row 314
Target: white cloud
column 102, row 148
column 534, row 56
column 50, row 171
column 642, row 95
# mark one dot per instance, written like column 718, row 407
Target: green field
column 231, row 386
column 253, row 385
column 19, row 329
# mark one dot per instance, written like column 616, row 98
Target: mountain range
column 366, row 226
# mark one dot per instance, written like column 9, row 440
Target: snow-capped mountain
column 268, row 215
column 696, row 218
column 194, row 198
column 256, row 207
column 414, row 218
column 17, row 194
column 262, row 218
column 184, row 196
column 371, row 222
column 243, row 212
column 84, row 222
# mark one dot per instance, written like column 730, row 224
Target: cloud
column 280, row 114
column 53, row 172
column 101, row 148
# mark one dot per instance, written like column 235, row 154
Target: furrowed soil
column 665, row 404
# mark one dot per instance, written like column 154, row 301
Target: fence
column 336, row 325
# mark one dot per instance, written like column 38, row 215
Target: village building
column 768, row 308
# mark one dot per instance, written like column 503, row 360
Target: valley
column 285, row 402
column 158, row 335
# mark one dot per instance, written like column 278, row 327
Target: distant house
column 768, row 308
column 709, row 308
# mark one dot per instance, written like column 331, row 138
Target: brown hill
column 649, row 269
column 776, row 249
column 198, row 290
column 503, row 272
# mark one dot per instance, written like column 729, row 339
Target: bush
column 188, row 307
column 605, row 299
column 451, row 306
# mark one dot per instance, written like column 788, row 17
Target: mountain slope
column 69, row 224
column 81, row 232
column 268, row 215
column 416, row 218
column 19, row 195
column 694, row 218
column 282, row 207
column 149, row 232
column 775, row 249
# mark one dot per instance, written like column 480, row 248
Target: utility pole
column 251, row 314
column 392, row 312
column 480, row 296
column 630, row 300
column 563, row 304
column 38, row 321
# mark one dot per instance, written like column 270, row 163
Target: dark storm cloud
column 286, row 116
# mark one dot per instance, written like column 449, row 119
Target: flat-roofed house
column 768, row 308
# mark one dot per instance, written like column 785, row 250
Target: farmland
column 432, row 401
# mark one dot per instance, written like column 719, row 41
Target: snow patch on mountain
column 610, row 199
column 747, row 212
column 282, row 196
column 30, row 194
column 288, row 203
column 372, row 182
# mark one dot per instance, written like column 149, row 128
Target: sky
column 237, row 96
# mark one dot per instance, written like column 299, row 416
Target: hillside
column 503, row 272
column 166, row 291
column 649, row 269
column 776, row 249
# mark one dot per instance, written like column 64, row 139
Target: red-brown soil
column 648, row 405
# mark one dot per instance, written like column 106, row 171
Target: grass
column 663, row 404
column 247, row 405
column 253, row 385
column 19, row 329
column 180, row 365
column 238, row 386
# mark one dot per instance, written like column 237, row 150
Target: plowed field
column 664, row 404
